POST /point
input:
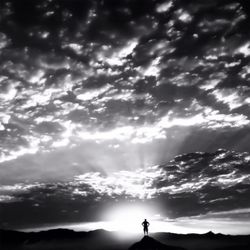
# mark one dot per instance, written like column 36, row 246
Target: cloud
column 220, row 169
column 117, row 74
column 205, row 185
column 164, row 7
column 136, row 184
column 233, row 98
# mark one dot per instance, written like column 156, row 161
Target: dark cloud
column 190, row 185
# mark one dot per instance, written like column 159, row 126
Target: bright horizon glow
column 125, row 220
column 128, row 218
column 180, row 226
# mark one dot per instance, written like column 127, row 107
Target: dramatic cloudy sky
column 107, row 102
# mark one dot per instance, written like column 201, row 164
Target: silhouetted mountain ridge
column 12, row 237
column 104, row 240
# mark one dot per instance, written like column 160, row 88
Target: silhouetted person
column 145, row 225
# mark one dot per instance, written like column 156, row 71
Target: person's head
column 145, row 220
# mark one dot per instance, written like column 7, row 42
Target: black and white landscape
column 113, row 111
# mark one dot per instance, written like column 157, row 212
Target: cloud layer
column 196, row 185
column 104, row 70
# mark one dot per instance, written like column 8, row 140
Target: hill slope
column 148, row 243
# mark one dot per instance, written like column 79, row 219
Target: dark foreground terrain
column 64, row 239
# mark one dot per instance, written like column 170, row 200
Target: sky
column 113, row 106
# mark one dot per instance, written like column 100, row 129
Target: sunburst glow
column 128, row 218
